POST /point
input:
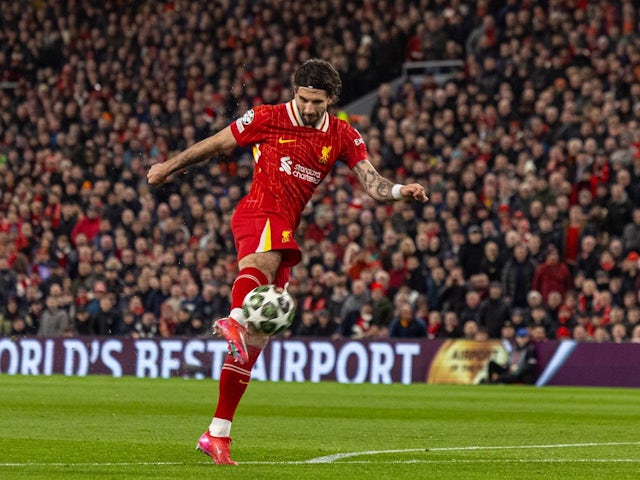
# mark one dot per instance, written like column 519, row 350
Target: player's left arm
column 384, row 190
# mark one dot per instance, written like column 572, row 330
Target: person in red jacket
column 89, row 224
column 552, row 275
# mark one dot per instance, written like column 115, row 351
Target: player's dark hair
column 316, row 73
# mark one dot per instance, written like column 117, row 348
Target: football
column 269, row 309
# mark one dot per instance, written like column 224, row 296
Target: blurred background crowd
column 530, row 153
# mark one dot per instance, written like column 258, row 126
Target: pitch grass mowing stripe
column 351, row 462
column 340, row 456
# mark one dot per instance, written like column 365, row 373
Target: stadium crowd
column 530, row 155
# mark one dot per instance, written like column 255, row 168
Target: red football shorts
column 255, row 232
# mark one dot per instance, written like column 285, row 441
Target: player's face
column 312, row 104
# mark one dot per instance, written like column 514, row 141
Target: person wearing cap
column 522, row 365
column 81, row 321
column 382, row 311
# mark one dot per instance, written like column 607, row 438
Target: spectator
column 127, row 327
column 552, row 275
column 508, row 335
column 517, row 276
column 353, row 302
column 407, row 325
column 317, row 300
column 53, row 320
column 539, row 317
column 587, row 261
column 362, row 326
column 307, row 325
column 494, row 311
column 398, row 272
column 538, row 333
column 522, row 364
column 434, row 324
column 382, row 313
column 619, row 210
column 106, row 319
column 453, row 296
column 601, row 335
column 146, row 327
column 619, row 333
column 470, row 330
column 631, row 272
column 82, row 322
column 8, row 281
column 88, row 225
column 635, row 334
column 472, row 252
column 325, row 326
column 450, row 326
column 630, row 234
column 471, row 310
column 492, row 262
column 8, row 315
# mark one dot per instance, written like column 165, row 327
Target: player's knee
column 266, row 262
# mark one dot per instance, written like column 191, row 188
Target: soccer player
column 295, row 145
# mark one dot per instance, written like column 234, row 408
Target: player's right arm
column 221, row 142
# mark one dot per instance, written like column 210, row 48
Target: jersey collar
column 296, row 118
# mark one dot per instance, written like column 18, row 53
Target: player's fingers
column 418, row 192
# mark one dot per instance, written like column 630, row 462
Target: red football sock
column 248, row 279
column 234, row 380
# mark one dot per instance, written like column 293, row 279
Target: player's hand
column 157, row 175
column 415, row 191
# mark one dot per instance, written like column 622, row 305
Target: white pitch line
column 339, row 456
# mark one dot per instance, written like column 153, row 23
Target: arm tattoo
column 374, row 184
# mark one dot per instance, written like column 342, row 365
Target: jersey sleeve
column 353, row 148
column 249, row 128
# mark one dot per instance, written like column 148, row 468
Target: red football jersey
column 291, row 159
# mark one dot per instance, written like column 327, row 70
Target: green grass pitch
column 127, row 428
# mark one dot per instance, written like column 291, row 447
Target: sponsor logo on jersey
column 358, row 141
column 285, row 165
column 286, row 140
column 307, row 174
column 300, row 171
column 286, row 236
column 324, row 155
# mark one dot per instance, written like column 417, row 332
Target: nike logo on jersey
column 286, row 140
